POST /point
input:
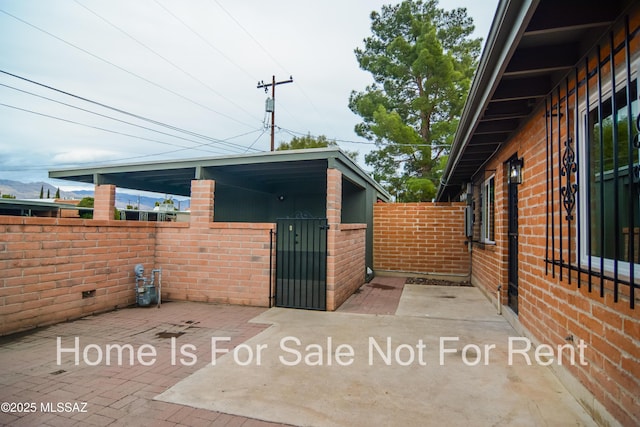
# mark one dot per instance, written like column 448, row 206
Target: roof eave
column 509, row 24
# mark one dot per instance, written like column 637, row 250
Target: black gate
column 301, row 263
column 513, row 247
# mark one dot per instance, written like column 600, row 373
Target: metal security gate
column 301, row 263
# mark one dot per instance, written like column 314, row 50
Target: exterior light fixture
column 515, row 171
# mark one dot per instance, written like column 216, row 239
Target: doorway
column 301, row 263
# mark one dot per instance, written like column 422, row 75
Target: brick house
column 538, row 206
column 546, row 159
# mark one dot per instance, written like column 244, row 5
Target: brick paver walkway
column 31, row 378
column 122, row 393
column 380, row 296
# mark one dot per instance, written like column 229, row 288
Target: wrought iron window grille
column 588, row 240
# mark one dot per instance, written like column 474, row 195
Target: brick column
column 104, row 202
column 202, row 196
column 334, row 217
column 334, row 197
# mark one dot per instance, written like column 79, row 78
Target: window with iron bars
column 593, row 170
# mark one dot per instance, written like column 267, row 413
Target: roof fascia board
column 509, row 24
column 348, row 173
column 200, row 165
column 246, row 159
column 350, row 164
column 104, row 170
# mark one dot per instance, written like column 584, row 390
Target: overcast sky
column 193, row 65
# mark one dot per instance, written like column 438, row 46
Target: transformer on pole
column 271, row 102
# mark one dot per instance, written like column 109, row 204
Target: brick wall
column 219, row 262
column 214, row 262
column 47, row 264
column 349, row 264
column 202, row 201
column 346, row 247
column 104, row 202
column 420, row 238
column 551, row 309
column 489, row 261
column 68, row 213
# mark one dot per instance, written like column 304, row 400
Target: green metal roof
column 260, row 171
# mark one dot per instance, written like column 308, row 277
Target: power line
column 166, row 60
column 264, row 49
column 95, row 127
column 256, row 140
column 97, row 162
column 296, row 133
column 215, row 49
column 199, row 144
column 124, row 69
column 38, row 167
column 304, row 93
column 137, row 116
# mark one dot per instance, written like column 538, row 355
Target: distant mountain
column 31, row 190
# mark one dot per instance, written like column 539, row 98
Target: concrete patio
column 445, row 382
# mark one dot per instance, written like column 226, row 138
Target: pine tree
column 308, row 141
column 422, row 59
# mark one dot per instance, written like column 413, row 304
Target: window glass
column 604, row 148
column 488, row 210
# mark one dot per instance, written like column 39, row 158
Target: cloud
column 239, row 43
column 84, row 155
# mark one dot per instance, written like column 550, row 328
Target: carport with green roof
column 265, row 188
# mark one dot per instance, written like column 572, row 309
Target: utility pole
column 273, row 84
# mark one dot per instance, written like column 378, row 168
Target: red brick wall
column 202, row 201
column 221, row 262
column 47, row 263
column 68, row 213
column 345, row 247
column 489, row 265
column 420, row 238
column 104, row 202
column 349, row 264
column 214, row 262
column 551, row 309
